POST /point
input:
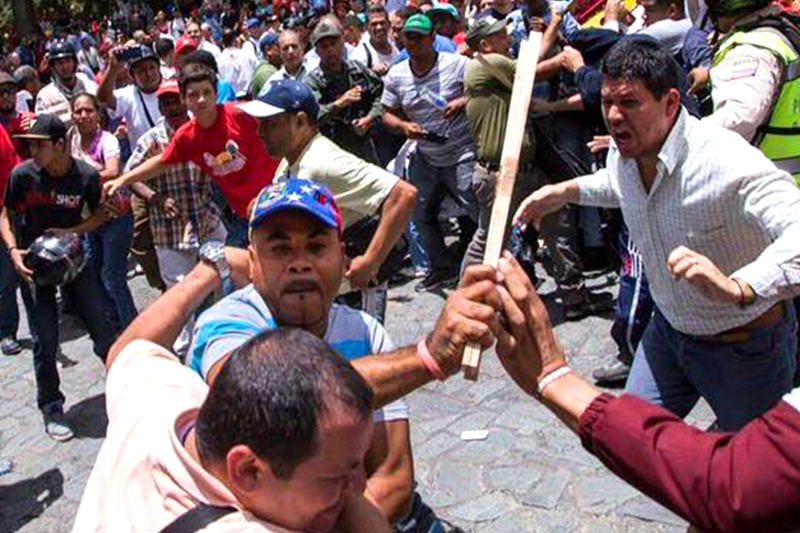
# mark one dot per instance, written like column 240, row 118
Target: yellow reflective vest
column 779, row 136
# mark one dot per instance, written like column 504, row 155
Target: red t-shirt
column 8, row 160
column 229, row 152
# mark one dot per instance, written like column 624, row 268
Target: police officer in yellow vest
column 755, row 77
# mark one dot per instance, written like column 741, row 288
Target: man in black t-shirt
column 49, row 194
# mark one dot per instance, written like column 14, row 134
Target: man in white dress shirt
column 716, row 223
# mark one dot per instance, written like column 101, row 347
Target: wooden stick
column 515, row 132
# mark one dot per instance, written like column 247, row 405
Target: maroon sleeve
column 8, row 160
column 747, row 481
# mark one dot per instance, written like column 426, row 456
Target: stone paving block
column 514, row 479
column 517, row 521
column 546, row 492
column 485, row 508
column 426, row 405
column 474, row 420
column 435, row 446
column 601, row 494
column 483, row 389
column 454, row 484
column 645, row 508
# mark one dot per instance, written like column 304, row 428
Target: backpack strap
column 197, row 518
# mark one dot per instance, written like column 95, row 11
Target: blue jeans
column 740, row 381
column 109, row 245
column 92, row 305
column 9, row 312
column 433, row 184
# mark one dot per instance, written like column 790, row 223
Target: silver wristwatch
column 214, row 253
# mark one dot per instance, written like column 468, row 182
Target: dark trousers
column 9, row 312
column 90, row 303
column 142, row 248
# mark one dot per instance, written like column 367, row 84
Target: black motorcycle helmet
column 56, row 259
column 61, row 49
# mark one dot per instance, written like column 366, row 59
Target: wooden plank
column 509, row 162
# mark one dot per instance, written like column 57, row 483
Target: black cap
column 45, row 126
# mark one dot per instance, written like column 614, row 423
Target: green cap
column 443, row 7
column 483, row 28
column 418, row 24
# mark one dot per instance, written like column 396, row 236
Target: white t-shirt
column 405, row 91
column 237, row 66
column 143, row 477
column 129, row 106
column 368, row 55
column 210, row 47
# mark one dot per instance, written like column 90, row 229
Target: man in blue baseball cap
column 366, row 194
column 270, row 64
column 297, row 263
column 254, row 31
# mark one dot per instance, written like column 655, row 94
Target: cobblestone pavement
column 530, row 474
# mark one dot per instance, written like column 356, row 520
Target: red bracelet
column 428, row 360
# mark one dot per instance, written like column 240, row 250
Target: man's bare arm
column 395, row 212
column 162, row 321
column 390, row 470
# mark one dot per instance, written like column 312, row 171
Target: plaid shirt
column 187, row 185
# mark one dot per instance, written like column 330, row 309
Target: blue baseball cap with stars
column 295, row 193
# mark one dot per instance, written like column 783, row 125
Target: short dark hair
column 228, row 37
column 272, row 393
column 164, row 47
column 196, row 72
column 204, row 57
column 377, row 9
column 645, row 60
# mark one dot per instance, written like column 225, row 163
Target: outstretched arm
column 162, row 321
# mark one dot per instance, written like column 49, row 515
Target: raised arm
column 717, row 481
column 395, row 212
column 162, row 321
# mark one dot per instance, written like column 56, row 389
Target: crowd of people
column 274, row 167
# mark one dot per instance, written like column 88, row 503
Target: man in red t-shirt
column 219, row 139
column 9, row 312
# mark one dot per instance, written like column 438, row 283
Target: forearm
column 94, row 221
column 392, row 376
column 105, row 92
column 147, row 170
column 393, row 121
column 568, row 398
column 6, row 232
column 547, row 68
column 717, row 481
column 549, row 37
column 162, row 321
column 391, row 494
column 395, row 213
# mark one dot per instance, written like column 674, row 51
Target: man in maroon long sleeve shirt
column 745, row 481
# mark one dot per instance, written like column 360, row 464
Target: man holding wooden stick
column 488, row 80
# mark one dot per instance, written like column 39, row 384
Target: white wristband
column 556, row 374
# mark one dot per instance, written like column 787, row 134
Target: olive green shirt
column 488, row 101
column 262, row 73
